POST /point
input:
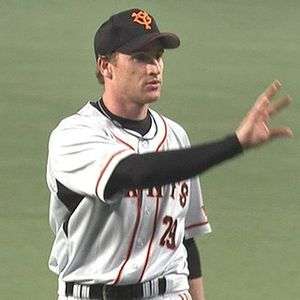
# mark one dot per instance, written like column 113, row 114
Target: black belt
column 115, row 292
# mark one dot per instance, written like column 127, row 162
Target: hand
column 254, row 129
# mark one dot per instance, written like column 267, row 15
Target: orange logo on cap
column 142, row 18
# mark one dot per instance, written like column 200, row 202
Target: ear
column 104, row 66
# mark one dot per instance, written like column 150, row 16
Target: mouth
column 153, row 84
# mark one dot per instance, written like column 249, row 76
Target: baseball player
column 125, row 202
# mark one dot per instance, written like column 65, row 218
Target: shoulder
column 87, row 117
column 81, row 126
column 171, row 124
column 174, row 126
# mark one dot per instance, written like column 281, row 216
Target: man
column 124, row 196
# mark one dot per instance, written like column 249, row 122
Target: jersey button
column 140, row 243
column 145, row 144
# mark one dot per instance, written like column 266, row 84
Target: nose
column 154, row 67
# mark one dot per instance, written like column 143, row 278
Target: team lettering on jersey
column 181, row 188
column 178, row 191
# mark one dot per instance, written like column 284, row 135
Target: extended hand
column 254, row 129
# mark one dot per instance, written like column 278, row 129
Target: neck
column 121, row 107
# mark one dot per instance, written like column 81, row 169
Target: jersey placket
column 145, row 233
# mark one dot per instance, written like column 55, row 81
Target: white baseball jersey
column 134, row 236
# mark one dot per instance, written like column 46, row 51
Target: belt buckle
column 104, row 292
column 107, row 292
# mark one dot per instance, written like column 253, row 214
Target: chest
column 155, row 203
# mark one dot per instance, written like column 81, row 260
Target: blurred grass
column 231, row 50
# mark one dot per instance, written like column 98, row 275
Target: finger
column 277, row 106
column 281, row 132
column 261, row 107
column 272, row 89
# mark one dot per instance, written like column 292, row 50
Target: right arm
column 151, row 169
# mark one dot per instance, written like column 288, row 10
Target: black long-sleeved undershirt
column 156, row 169
column 160, row 168
column 193, row 258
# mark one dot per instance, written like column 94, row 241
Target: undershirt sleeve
column 193, row 258
column 161, row 168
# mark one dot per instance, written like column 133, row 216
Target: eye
column 141, row 57
column 147, row 57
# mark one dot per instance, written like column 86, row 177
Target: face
column 138, row 77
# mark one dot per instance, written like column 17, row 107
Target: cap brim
column 168, row 41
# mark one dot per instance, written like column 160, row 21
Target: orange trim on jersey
column 165, row 135
column 151, row 240
column 196, row 224
column 120, row 140
column 103, row 170
column 137, row 223
column 200, row 223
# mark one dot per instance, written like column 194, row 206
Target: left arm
column 197, row 289
column 194, row 265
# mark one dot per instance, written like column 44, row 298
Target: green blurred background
column 231, row 50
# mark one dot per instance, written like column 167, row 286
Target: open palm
column 255, row 129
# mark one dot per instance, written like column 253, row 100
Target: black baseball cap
column 129, row 31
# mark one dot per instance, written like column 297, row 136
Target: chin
column 150, row 100
column 151, row 97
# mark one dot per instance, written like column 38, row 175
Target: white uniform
column 133, row 237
